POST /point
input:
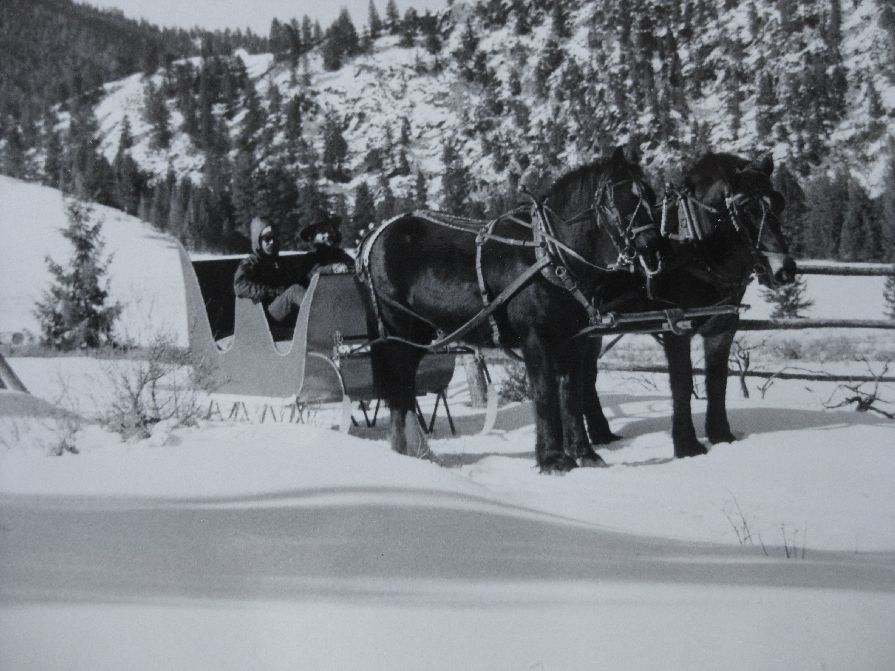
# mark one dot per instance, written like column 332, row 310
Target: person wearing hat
column 262, row 278
column 323, row 238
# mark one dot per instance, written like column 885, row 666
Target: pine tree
column 243, row 188
column 363, row 215
column 52, row 167
column 387, row 205
column 789, row 300
column 76, row 312
column 559, row 21
column 859, row 240
column 420, row 191
column 889, row 297
column 374, row 23
column 335, row 148
column 392, row 17
column 157, row 115
column 874, row 104
column 455, row 180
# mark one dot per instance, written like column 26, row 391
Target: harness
column 554, row 259
column 690, row 229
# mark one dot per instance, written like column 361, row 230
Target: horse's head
column 729, row 198
column 624, row 200
column 608, row 206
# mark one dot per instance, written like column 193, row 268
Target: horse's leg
column 394, row 373
column 717, row 354
column 597, row 424
column 571, row 379
column 680, row 376
column 548, row 422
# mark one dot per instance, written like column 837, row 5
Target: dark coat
column 325, row 257
column 263, row 278
column 259, row 276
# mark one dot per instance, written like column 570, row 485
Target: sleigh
column 323, row 359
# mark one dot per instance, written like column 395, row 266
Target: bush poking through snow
column 516, row 386
column 864, row 398
column 164, row 384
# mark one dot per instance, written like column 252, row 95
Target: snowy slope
column 373, row 92
column 144, row 274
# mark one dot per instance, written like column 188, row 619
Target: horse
column 524, row 280
column 723, row 224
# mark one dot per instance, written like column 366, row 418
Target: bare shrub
column 864, row 396
column 516, row 386
column 162, row 382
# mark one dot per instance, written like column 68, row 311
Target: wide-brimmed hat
column 323, row 224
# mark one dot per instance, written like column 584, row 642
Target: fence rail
column 794, row 374
column 814, row 267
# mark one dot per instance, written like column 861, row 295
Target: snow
column 242, row 544
column 144, row 272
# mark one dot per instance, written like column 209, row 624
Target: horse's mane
column 711, row 166
column 577, row 186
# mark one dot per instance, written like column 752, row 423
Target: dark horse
column 723, row 224
column 425, row 275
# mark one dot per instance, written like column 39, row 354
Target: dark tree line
column 646, row 63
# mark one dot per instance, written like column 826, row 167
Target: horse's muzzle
column 782, row 268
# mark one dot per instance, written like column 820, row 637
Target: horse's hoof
column 560, row 463
column 592, row 461
column 605, row 438
column 692, row 448
column 721, row 437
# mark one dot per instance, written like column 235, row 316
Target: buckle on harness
column 675, row 322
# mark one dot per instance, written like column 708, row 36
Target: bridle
column 554, row 258
column 690, row 228
column 608, row 218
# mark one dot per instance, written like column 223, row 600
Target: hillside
column 448, row 111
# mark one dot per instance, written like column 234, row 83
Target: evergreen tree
column 455, row 180
column 374, row 23
column 889, row 297
column 392, row 17
column 874, row 104
column 363, row 215
column 76, row 312
column 887, row 210
column 420, row 191
column 387, row 205
column 789, row 300
column 335, row 148
column 253, row 120
column 559, row 21
column 794, row 216
column 52, row 168
column 765, row 101
column 826, row 199
column 331, row 53
column 243, row 188
column 859, row 240
column 157, row 115
column 409, row 28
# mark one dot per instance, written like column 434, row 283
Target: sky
column 257, row 15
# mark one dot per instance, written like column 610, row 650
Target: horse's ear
column 624, row 154
column 618, row 156
column 764, row 164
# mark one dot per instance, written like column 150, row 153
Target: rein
column 552, row 259
column 693, row 230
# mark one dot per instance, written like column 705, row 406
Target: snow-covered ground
column 237, row 545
